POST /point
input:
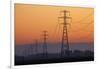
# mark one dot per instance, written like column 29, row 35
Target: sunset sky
column 31, row 20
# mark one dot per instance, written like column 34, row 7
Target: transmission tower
column 36, row 47
column 45, row 42
column 64, row 41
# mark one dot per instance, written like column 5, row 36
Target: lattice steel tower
column 36, row 47
column 64, row 41
column 45, row 42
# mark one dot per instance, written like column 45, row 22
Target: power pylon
column 45, row 34
column 64, row 41
column 36, row 47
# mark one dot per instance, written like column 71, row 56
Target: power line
column 84, row 27
column 83, row 19
column 56, row 30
